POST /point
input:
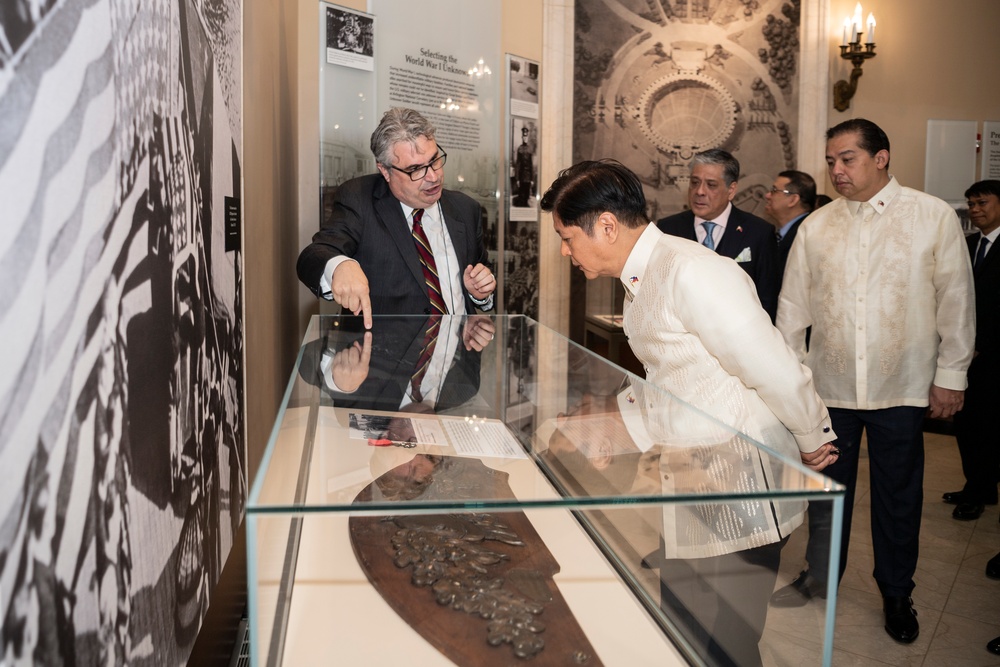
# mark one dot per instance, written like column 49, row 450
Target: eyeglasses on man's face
column 419, row 171
column 775, row 191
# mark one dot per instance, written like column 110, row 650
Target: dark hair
column 802, row 184
column 822, row 200
column 398, row 124
column 983, row 188
column 730, row 165
column 582, row 192
column 871, row 138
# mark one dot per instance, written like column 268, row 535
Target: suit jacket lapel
column 390, row 214
column 687, row 229
column 733, row 241
column 792, row 231
column 991, row 257
column 991, row 262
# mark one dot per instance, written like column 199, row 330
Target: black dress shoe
column 900, row 619
column 993, row 567
column 805, row 587
column 994, row 646
column 968, row 511
column 954, row 497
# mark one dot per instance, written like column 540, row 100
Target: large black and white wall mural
column 657, row 81
column 122, row 446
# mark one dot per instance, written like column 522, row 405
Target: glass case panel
column 626, row 524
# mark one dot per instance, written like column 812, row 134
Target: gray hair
column 398, row 124
column 730, row 165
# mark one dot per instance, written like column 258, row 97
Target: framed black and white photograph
column 350, row 38
column 522, row 82
column 524, row 167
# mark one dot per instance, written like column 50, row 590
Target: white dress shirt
column 718, row 231
column 886, row 286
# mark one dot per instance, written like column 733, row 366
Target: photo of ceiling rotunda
column 657, row 81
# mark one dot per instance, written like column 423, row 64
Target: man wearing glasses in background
column 385, row 250
column 790, row 200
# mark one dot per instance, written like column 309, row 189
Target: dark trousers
column 977, row 434
column 720, row 603
column 896, row 459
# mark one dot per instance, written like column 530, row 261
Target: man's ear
column 383, row 171
column 607, row 226
column 882, row 159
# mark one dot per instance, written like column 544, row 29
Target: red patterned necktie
column 424, row 360
column 427, row 262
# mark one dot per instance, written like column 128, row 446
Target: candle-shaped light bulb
column 871, row 28
column 847, row 30
column 857, row 22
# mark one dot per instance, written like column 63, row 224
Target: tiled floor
column 957, row 605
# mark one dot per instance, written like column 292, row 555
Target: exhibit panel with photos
column 520, row 268
column 484, row 491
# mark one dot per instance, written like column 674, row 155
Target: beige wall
column 270, row 231
column 935, row 61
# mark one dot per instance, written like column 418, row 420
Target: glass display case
column 480, row 490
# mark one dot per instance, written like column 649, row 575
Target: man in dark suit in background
column 367, row 256
column 789, row 201
column 976, row 423
column 715, row 223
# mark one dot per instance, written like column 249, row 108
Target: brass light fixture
column 852, row 49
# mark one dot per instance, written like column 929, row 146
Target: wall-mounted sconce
column 852, row 49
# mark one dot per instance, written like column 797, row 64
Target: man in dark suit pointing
column 715, row 223
column 397, row 242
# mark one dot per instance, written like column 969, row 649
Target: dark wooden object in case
column 478, row 586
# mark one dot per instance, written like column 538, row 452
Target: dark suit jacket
column 744, row 230
column 987, row 283
column 396, row 345
column 367, row 224
column 785, row 246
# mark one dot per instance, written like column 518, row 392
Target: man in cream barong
column 695, row 322
column 883, row 277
